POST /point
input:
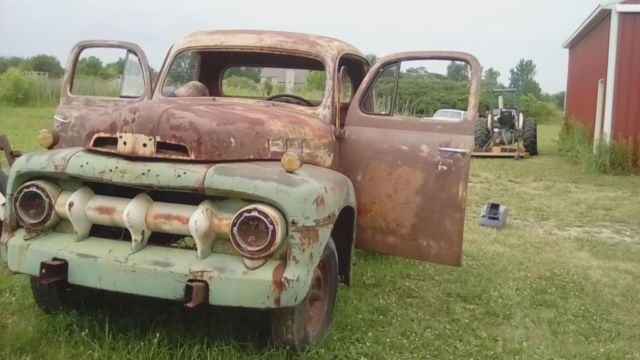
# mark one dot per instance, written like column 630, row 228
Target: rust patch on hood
column 202, row 129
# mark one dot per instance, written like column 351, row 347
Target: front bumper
column 157, row 271
column 310, row 199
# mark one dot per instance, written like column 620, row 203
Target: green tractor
column 505, row 132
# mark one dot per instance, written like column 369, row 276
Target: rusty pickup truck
column 243, row 173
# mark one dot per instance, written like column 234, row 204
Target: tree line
column 15, row 87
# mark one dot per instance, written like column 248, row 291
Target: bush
column 615, row 158
column 16, row 89
column 240, row 86
column 542, row 111
column 95, row 86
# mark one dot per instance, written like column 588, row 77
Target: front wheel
column 299, row 326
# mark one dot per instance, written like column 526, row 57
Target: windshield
column 275, row 77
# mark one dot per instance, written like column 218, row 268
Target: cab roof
column 321, row 46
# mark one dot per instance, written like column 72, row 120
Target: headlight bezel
column 271, row 218
column 43, row 191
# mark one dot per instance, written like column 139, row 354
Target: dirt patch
column 615, row 233
column 603, row 232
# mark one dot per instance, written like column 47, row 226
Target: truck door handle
column 60, row 118
column 454, row 150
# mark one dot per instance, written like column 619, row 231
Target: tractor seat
column 507, row 119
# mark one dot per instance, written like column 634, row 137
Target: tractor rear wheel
column 481, row 133
column 3, row 193
column 530, row 136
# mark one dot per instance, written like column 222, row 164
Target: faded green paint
column 297, row 195
column 310, row 199
column 160, row 272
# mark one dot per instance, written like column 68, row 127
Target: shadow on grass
column 118, row 315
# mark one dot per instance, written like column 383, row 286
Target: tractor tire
column 297, row 327
column 530, row 136
column 3, row 191
column 482, row 135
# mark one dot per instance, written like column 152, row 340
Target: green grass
column 616, row 158
column 561, row 281
column 21, row 125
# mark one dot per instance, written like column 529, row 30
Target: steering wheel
column 290, row 99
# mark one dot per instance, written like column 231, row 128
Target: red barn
column 603, row 85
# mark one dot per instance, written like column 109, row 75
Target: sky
column 497, row 32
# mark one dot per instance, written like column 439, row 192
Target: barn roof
column 597, row 15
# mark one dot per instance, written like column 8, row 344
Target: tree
column 44, row 63
column 252, row 73
column 89, row 66
column 523, row 78
column 559, row 99
column 316, row 80
column 266, row 87
column 420, row 70
column 491, row 76
column 113, row 69
column 7, row 62
column 183, row 69
column 371, row 58
column 458, row 71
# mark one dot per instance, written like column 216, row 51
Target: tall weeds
column 615, row 158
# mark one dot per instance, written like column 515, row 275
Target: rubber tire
column 51, row 298
column 530, row 136
column 288, row 324
column 3, row 182
column 481, row 133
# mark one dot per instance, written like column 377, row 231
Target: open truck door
column 409, row 169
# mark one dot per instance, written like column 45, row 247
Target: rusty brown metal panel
column 78, row 115
column 204, row 129
column 207, row 131
column 626, row 106
column 588, row 60
column 324, row 46
column 410, row 176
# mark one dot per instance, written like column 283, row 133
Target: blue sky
column 498, row 32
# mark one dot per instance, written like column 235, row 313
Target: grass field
column 561, row 281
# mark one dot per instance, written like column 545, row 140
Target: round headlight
column 257, row 231
column 34, row 204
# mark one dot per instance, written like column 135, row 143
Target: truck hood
column 212, row 131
